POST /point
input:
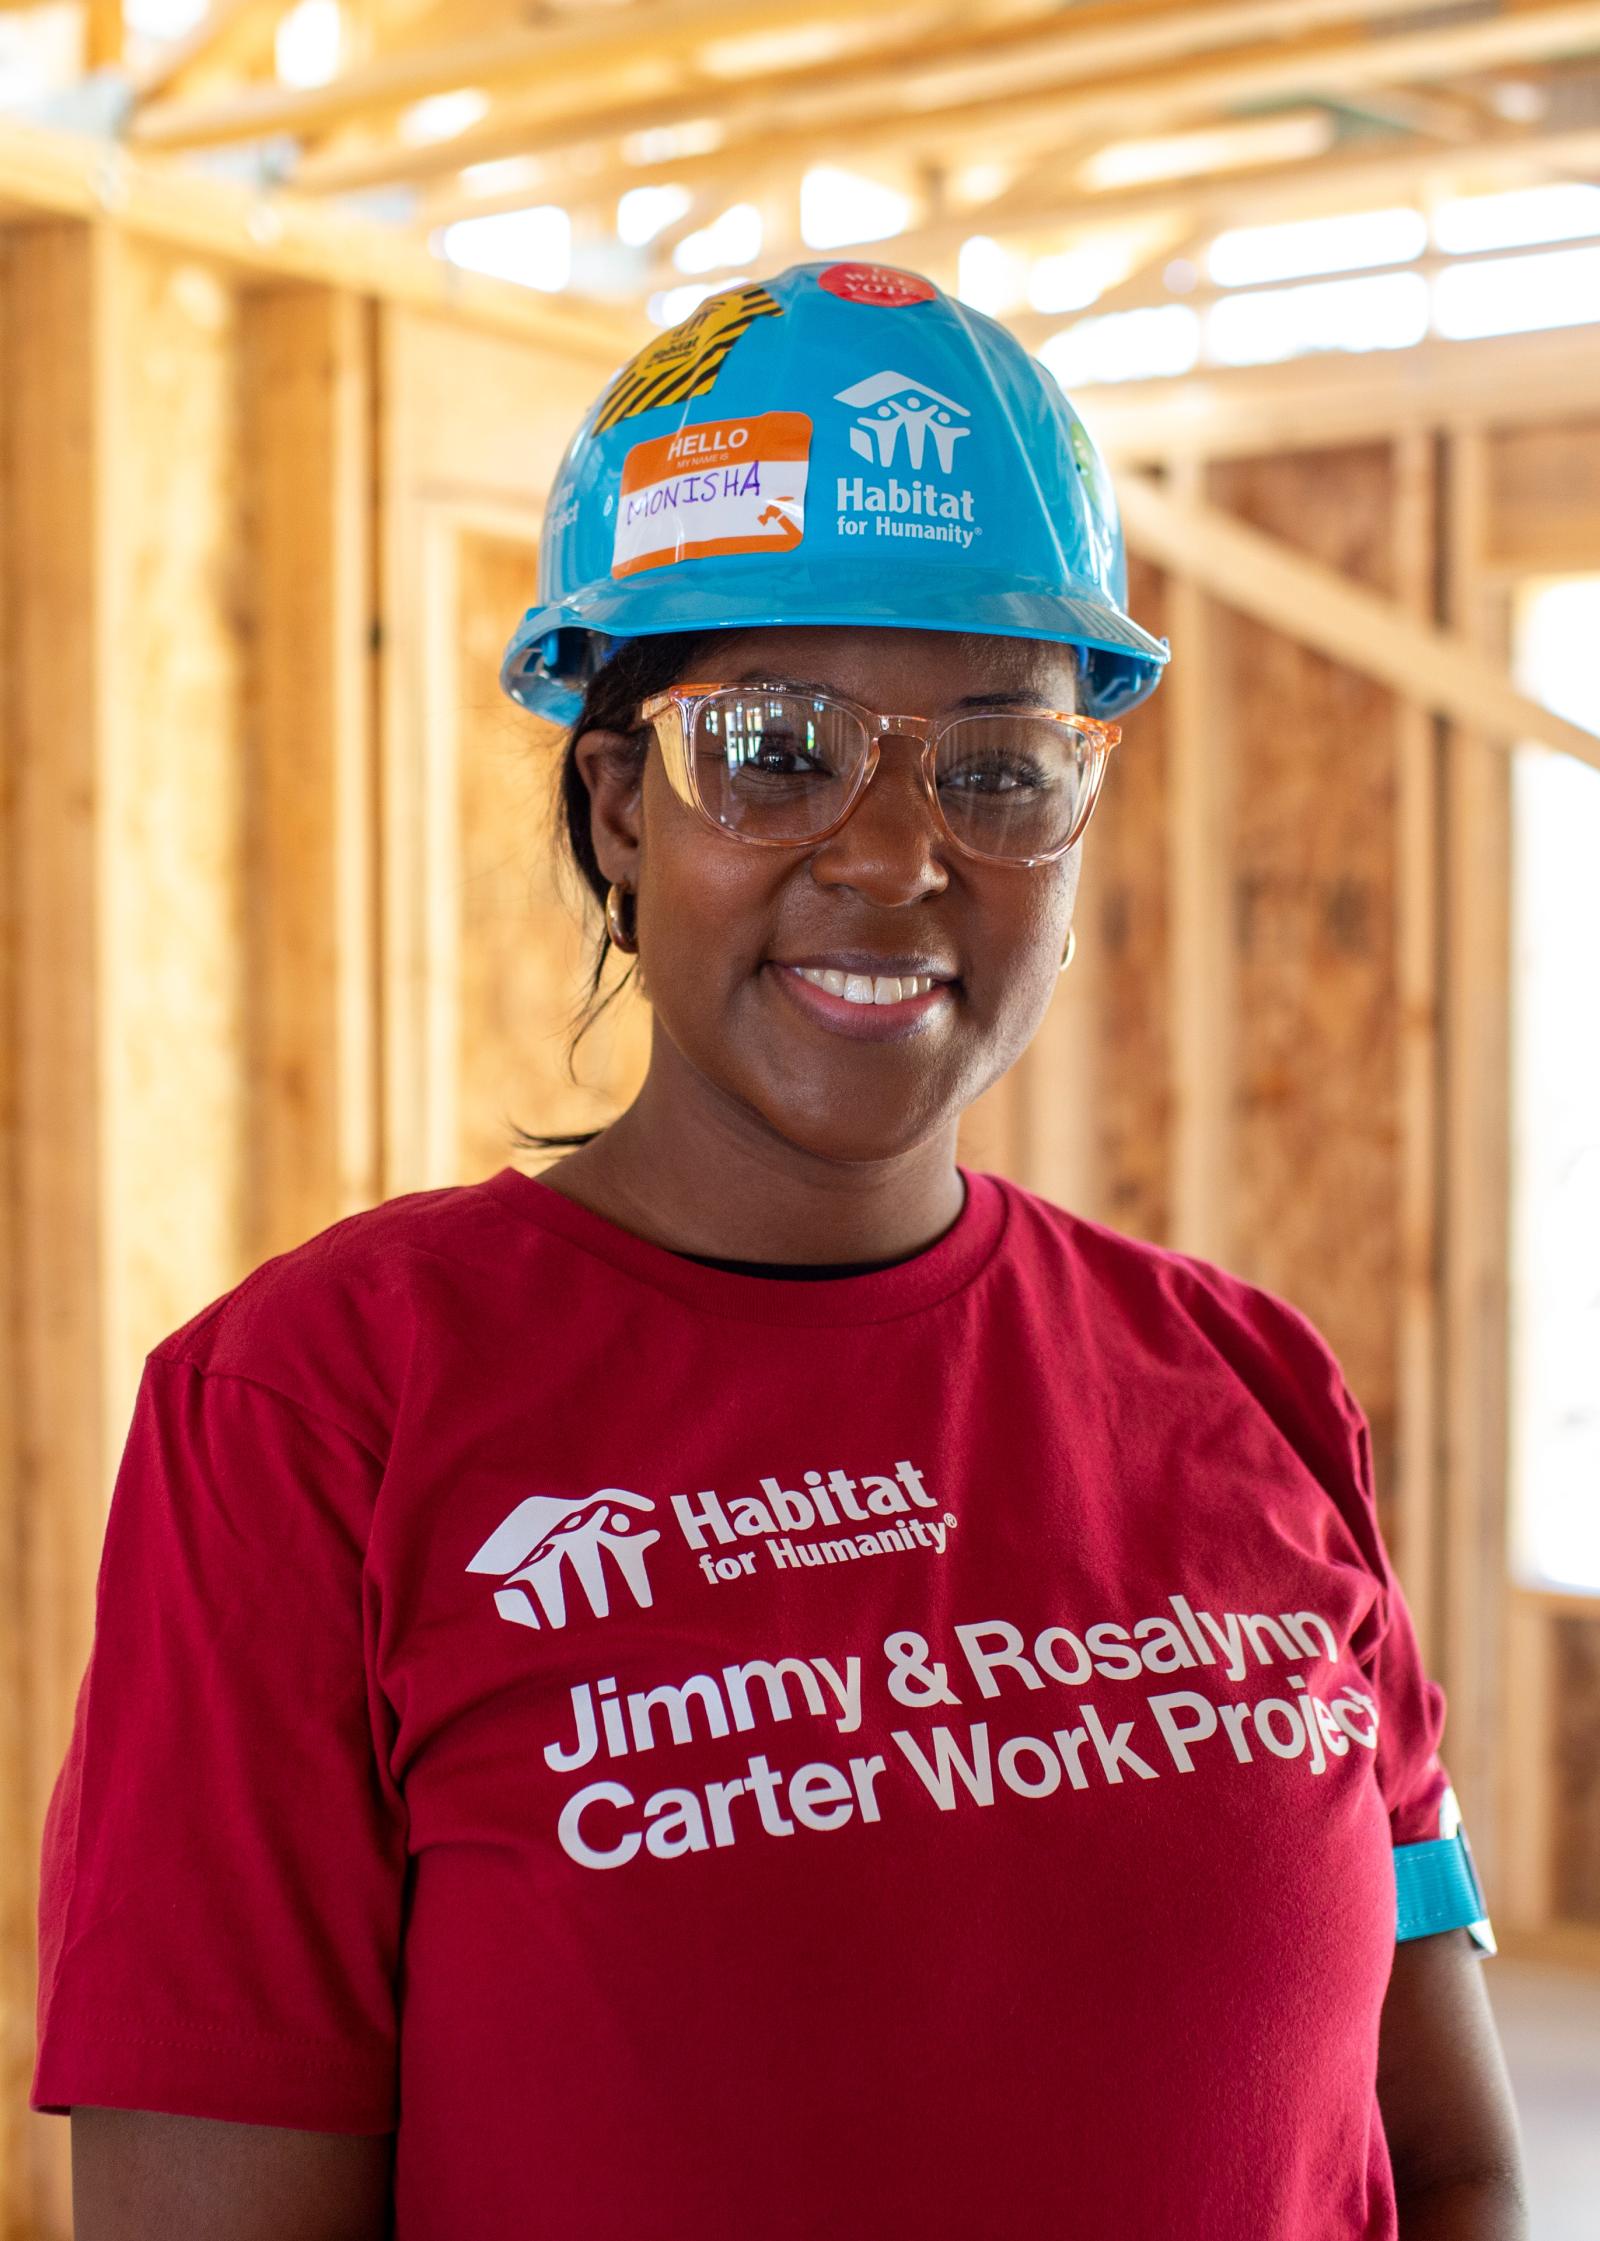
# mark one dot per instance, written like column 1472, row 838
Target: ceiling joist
column 1343, row 180
column 554, row 51
column 1136, row 129
column 1135, row 102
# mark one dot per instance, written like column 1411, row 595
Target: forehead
column 909, row 671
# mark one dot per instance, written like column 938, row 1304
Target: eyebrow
column 1027, row 698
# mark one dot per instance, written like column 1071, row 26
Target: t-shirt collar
column 945, row 1268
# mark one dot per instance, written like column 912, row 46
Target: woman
column 761, row 1682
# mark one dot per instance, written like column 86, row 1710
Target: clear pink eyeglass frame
column 683, row 702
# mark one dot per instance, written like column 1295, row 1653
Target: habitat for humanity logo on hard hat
column 897, row 423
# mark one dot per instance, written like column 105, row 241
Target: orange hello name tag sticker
column 717, row 487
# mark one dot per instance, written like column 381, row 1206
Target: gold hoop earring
column 1066, row 954
column 620, row 937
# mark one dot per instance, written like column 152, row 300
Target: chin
column 839, row 1130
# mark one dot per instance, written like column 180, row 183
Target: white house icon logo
column 545, row 1541
column 888, row 405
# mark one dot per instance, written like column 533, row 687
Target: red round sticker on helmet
column 879, row 284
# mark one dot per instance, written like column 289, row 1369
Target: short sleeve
column 223, row 1858
column 1411, row 1706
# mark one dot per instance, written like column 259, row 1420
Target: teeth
column 867, row 988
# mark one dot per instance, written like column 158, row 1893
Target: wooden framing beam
column 1035, row 204
column 1442, row 114
column 1311, row 401
column 56, row 705
column 1418, row 1510
column 1155, row 82
column 1262, row 576
column 1100, row 38
column 559, row 50
column 1286, row 139
column 1139, row 286
column 1202, row 952
column 313, row 1031
column 235, row 32
column 1137, row 101
column 1485, row 1678
column 1331, row 397
column 1142, row 290
column 73, row 176
column 102, row 41
column 1336, row 181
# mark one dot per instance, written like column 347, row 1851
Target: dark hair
column 611, row 702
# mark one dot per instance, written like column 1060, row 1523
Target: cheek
column 706, row 907
column 712, row 909
column 1019, row 932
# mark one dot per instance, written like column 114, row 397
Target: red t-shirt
column 703, row 1755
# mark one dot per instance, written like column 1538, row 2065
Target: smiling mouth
column 866, row 988
column 875, row 1007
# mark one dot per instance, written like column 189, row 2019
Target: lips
column 876, row 1005
column 866, row 988
column 900, row 965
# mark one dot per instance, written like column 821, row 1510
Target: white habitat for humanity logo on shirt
column 904, row 423
column 545, row 1541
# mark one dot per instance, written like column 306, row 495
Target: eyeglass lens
column 782, row 766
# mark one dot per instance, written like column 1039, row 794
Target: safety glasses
column 781, row 768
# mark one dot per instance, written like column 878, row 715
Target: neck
column 691, row 1169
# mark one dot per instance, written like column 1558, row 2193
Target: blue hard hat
column 842, row 443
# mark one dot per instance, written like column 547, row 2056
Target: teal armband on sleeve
column 1437, row 1887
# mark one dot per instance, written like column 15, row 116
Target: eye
column 994, row 773
column 779, row 753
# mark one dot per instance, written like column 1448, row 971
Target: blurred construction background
column 299, row 305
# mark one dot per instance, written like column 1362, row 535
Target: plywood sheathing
column 1542, row 495
column 1126, row 918
column 1312, row 880
column 1201, row 992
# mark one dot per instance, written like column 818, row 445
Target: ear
column 612, row 767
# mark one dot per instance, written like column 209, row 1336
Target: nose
column 889, row 847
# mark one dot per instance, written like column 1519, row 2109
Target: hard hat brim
column 761, row 592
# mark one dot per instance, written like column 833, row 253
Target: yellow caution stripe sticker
column 685, row 361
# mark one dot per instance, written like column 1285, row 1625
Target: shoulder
column 1177, row 1315
column 1230, row 1307
column 330, row 1323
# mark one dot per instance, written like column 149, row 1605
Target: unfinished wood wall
column 244, row 733
column 1296, row 875
column 526, row 945
column 1125, row 935
column 1529, row 505
column 1292, row 1047
column 282, row 935
column 1315, row 1190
